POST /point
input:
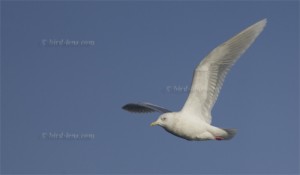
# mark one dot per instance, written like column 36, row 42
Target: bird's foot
column 219, row 138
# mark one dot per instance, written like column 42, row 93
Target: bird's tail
column 230, row 133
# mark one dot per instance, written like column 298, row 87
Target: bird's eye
column 163, row 119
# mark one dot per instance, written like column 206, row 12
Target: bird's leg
column 219, row 138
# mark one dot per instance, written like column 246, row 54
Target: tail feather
column 230, row 133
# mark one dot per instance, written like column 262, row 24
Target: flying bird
column 193, row 122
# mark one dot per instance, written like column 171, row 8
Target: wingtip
column 258, row 27
column 265, row 20
column 136, row 108
column 124, row 107
column 129, row 107
column 262, row 22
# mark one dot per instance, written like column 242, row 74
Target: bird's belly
column 191, row 132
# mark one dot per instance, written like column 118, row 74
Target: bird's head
column 164, row 120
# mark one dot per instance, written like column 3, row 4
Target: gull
column 193, row 121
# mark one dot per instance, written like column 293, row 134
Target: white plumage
column 193, row 122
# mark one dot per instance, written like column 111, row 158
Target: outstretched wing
column 144, row 108
column 210, row 73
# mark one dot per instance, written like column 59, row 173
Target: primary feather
column 144, row 108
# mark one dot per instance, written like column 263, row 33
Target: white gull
column 193, row 122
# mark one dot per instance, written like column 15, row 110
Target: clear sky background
column 131, row 51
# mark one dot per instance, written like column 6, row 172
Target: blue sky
column 67, row 68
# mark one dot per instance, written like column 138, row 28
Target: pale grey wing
column 144, row 108
column 210, row 73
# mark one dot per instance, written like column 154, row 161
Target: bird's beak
column 154, row 123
